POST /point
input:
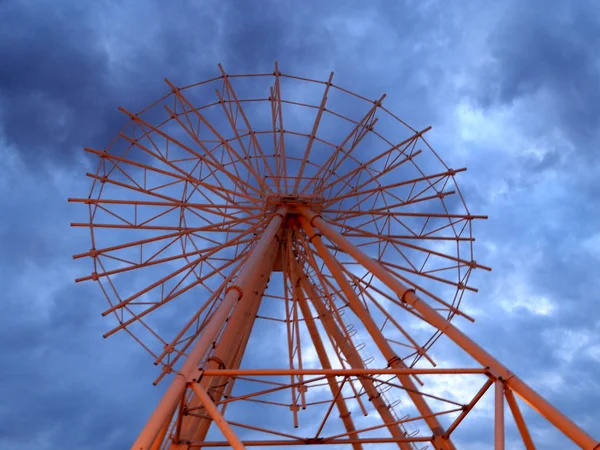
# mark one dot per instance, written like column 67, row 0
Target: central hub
column 312, row 201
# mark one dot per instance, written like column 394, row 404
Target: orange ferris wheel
column 289, row 252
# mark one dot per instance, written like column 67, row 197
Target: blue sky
column 510, row 88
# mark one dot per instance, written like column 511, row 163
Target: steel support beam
column 536, row 401
column 374, row 331
column 243, row 283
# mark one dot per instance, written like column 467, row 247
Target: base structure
column 202, row 388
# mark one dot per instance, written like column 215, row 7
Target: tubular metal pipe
column 250, row 271
column 537, row 402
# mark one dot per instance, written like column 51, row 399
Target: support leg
column 353, row 357
column 499, row 415
column 235, row 335
column 244, row 281
column 435, row 319
column 516, row 412
column 212, row 409
column 324, row 359
column 383, row 345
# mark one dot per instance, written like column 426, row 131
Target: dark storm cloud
column 51, row 379
column 48, row 383
column 64, row 69
column 552, row 55
column 54, row 78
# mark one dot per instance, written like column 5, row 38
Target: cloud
column 550, row 61
column 511, row 92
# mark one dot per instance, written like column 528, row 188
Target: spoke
column 203, row 206
column 356, row 135
column 152, row 262
column 375, row 178
column 278, row 130
column 193, row 263
column 251, row 132
column 180, row 178
column 313, row 134
column 386, row 209
column 236, row 178
column 171, row 296
column 356, row 193
column 171, row 139
column 371, row 162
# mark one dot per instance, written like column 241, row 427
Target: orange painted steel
column 354, row 359
column 408, row 296
column 289, row 265
column 189, row 371
column 212, row 409
column 499, row 415
column 371, row 326
column 516, row 412
column 336, row 389
column 229, row 349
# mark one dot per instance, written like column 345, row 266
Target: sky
column 511, row 91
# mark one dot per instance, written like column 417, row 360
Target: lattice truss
column 225, row 220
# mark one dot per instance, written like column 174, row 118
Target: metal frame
column 207, row 202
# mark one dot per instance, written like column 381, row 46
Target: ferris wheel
column 284, row 248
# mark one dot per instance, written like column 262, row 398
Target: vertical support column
column 157, row 444
column 227, row 353
column 516, row 412
column 435, row 319
column 383, row 345
column 321, row 352
column 244, row 281
column 213, row 411
column 353, row 357
column 499, row 415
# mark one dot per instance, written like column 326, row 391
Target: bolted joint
column 393, row 361
column 315, row 235
column 219, row 361
column 441, row 443
column 500, row 374
column 236, row 288
column 403, row 297
column 312, row 220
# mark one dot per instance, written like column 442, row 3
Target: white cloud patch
column 571, row 344
column 516, row 295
